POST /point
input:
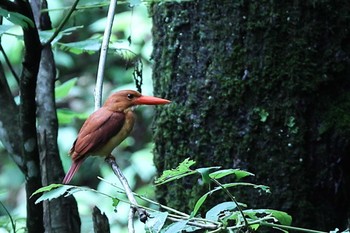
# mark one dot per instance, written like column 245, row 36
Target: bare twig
column 103, row 54
column 10, row 217
column 142, row 212
column 233, row 199
column 7, row 60
column 63, row 22
column 131, row 228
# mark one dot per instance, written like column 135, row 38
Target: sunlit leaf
column 205, row 173
column 47, row 34
column 62, row 90
column 46, row 188
column 56, row 190
column 229, row 185
column 55, row 193
column 17, row 18
column 254, row 227
column 66, row 116
column 239, row 174
column 89, row 46
column 181, row 171
column 156, row 221
column 282, row 217
column 214, row 213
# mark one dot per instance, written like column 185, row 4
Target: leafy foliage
column 225, row 215
column 17, row 18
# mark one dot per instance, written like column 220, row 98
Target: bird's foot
column 143, row 215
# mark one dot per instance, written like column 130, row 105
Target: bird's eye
column 130, row 96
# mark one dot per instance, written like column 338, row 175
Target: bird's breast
column 119, row 137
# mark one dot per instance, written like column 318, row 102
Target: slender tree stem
column 63, row 22
column 131, row 228
column 233, row 199
column 142, row 212
column 103, row 54
column 8, row 214
column 7, row 60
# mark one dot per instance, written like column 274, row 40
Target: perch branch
column 142, row 213
column 131, row 228
column 103, row 54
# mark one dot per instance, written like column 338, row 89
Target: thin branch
column 172, row 217
column 196, row 224
column 7, row 60
column 233, row 199
column 163, row 206
column 8, row 214
column 142, row 213
column 131, row 227
column 103, row 54
column 63, row 22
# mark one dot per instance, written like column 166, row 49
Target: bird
column 107, row 127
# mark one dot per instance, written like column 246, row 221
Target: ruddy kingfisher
column 107, row 127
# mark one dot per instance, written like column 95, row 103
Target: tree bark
column 61, row 214
column 260, row 86
column 100, row 221
column 27, row 119
column 34, row 122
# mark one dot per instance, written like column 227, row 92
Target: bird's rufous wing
column 101, row 126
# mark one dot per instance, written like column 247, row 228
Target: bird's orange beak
column 150, row 100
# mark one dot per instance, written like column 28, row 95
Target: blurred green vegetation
column 76, row 55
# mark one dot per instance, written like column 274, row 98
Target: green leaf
column 17, row 18
column 176, row 227
column 115, row 202
column 181, row 171
column 254, row 227
column 89, row 46
column 214, row 213
column 46, row 188
column 66, row 116
column 156, row 221
column 229, row 185
column 4, row 28
column 56, row 190
column 205, row 173
column 62, row 90
column 282, row 217
column 239, row 174
column 198, row 204
column 47, row 34
column 54, row 193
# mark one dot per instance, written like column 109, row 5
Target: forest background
column 280, row 70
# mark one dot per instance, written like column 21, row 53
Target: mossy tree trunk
column 262, row 86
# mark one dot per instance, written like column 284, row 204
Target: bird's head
column 122, row 100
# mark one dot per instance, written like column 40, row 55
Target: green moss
column 278, row 122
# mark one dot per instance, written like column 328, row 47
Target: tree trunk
column 29, row 131
column 261, row 86
column 60, row 214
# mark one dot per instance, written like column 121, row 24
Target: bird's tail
column 72, row 170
